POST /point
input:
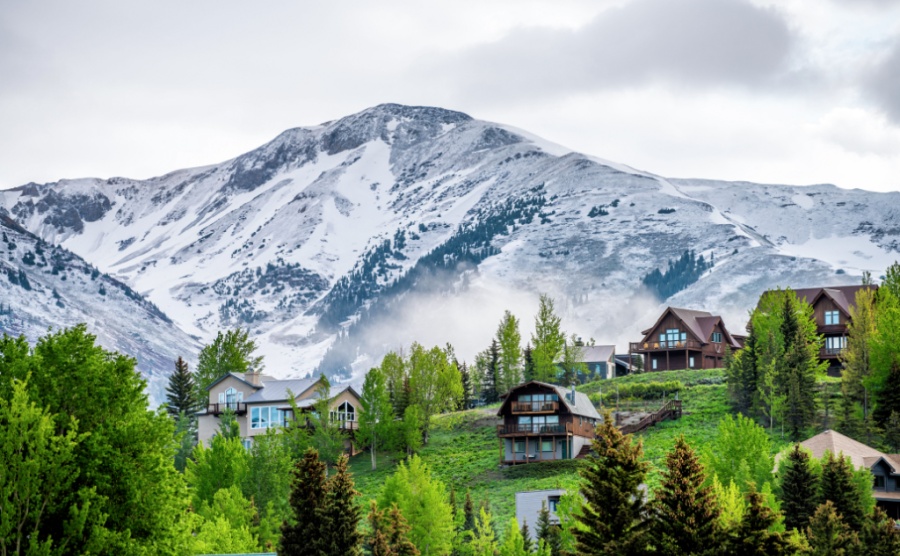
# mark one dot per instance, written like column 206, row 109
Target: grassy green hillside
column 464, row 451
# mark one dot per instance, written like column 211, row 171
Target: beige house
column 261, row 402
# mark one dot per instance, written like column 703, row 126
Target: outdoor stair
column 669, row 410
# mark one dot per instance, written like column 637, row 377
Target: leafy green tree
column 568, row 510
column 410, row 433
column 37, row 467
column 828, row 534
column 376, row 416
column 231, row 352
column 510, row 341
column 513, row 543
column 888, row 397
column 223, row 465
column 837, row 486
column 424, row 502
column 218, row 535
column 239, row 514
column 268, row 478
column 731, row 503
column 880, row 536
column 685, row 512
column 548, row 340
column 434, row 383
column 741, row 451
column 341, row 514
column 613, row 512
column 305, row 534
column 326, row 435
column 884, row 357
column 799, row 488
column 483, row 541
column 181, row 393
column 127, row 496
column 572, row 362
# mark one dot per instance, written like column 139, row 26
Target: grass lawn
column 464, row 451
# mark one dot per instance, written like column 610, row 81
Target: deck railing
column 562, row 428
column 669, row 410
column 830, row 352
column 239, row 408
column 535, row 407
column 666, row 345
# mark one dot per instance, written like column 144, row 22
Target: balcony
column 664, row 346
column 535, row 407
column 239, row 408
column 534, row 430
column 830, row 353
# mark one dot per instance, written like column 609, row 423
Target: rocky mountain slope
column 337, row 242
column 44, row 286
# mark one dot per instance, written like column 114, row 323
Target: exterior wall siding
column 528, row 507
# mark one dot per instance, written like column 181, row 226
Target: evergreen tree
column 309, row 495
column 799, row 488
column 892, row 433
column 888, row 397
column 510, row 341
column 268, row 477
column 612, row 516
column 800, row 365
column 491, row 388
column 857, row 367
column 528, row 363
column 513, row 543
column 388, row 532
column 341, row 515
column 466, row 379
column 828, row 534
column 838, row 487
column 754, row 535
column 547, row 532
column 468, row 513
column 527, row 541
column 684, row 511
column 880, row 536
column 393, row 367
column 741, row 375
column 483, row 541
column 548, row 340
column 572, row 362
column 181, row 393
column 185, row 440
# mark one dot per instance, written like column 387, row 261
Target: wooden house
column 542, row 421
column 685, row 339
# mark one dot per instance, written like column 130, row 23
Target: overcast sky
column 794, row 91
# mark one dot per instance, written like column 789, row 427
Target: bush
column 637, row 390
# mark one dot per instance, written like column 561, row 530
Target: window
column 345, row 412
column 546, row 445
column 832, row 317
column 246, row 443
column 691, row 362
column 552, row 503
column 231, row 398
column 266, row 417
column 717, row 337
column 673, row 338
column 879, row 481
column 834, row 344
column 520, row 446
column 654, row 364
column 525, row 420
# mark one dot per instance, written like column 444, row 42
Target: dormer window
column 231, row 398
column 345, row 412
column 832, row 317
column 717, row 337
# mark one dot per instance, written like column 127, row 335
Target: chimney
column 252, row 377
column 572, row 395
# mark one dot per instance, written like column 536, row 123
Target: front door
column 565, row 449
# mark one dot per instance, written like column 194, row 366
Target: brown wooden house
column 831, row 307
column 685, row 339
column 542, row 421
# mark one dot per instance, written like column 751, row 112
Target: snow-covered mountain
column 337, row 242
column 44, row 286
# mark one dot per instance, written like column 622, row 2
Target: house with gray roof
column 261, row 402
column 542, row 421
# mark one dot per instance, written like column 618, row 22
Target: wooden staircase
column 669, row 410
column 585, row 450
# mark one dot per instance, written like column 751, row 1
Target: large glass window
column 266, row 417
column 832, row 317
column 546, row 445
column 835, row 343
column 520, row 446
column 344, row 412
column 231, row 398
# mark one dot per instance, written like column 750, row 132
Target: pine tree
column 466, row 378
column 388, row 533
column 880, row 536
column 528, row 542
column 799, row 489
column 309, row 494
column 838, row 487
column 684, row 512
column 612, row 515
column 489, row 389
column 888, row 397
column 341, row 515
column 513, row 543
column 892, row 433
column 856, row 361
column 754, row 535
column 181, row 393
column 528, row 363
column 399, row 534
column 741, row 375
column 547, row 532
column 828, row 534
column 468, row 513
column 799, row 366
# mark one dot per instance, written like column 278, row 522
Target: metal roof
column 277, row 390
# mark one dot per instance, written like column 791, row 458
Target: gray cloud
column 683, row 42
column 883, row 84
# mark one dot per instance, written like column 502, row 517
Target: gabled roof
column 581, row 406
column 862, row 456
column 232, row 375
column 277, row 390
column 597, row 353
column 699, row 323
column 844, row 297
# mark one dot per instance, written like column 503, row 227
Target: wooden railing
column 535, row 407
column 830, row 352
column 662, row 346
column 239, row 408
column 562, row 428
column 669, row 410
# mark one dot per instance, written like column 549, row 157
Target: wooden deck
column 669, row 410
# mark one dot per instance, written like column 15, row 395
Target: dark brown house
column 831, row 307
column 685, row 339
column 542, row 421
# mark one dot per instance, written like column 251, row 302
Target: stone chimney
column 252, row 377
